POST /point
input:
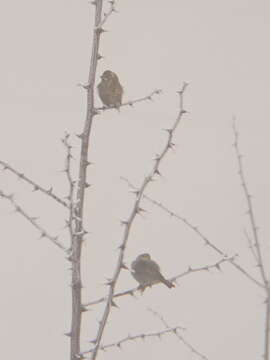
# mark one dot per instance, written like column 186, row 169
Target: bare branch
column 190, row 270
column 128, row 224
column 250, row 208
column 180, row 337
column 36, row 187
column 256, row 248
column 267, row 326
column 108, row 14
column 32, row 220
column 119, row 343
column 76, row 250
column 71, row 183
column 132, row 102
column 205, row 240
column 251, row 246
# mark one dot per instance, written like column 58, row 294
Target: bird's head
column 108, row 75
column 144, row 257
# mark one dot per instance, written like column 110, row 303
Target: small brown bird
column 147, row 272
column 110, row 90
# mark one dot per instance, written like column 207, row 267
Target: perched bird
column 110, row 90
column 147, row 272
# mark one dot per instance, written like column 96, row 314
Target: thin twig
column 250, row 207
column 190, row 270
column 32, row 220
column 119, row 343
column 179, row 336
column 206, row 241
column 132, row 102
column 108, row 14
column 267, row 326
column 71, row 183
column 128, row 223
column 36, row 187
column 257, row 246
column 250, row 245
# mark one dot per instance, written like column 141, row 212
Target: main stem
column 79, row 228
column 267, row 326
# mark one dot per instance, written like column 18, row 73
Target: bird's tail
column 168, row 283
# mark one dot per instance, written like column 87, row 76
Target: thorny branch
column 36, row 187
column 77, row 240
column 128, row 223
column 108, row 14
column 256, row 247
column 250, row 245
column 119, row 343
column 132, row 102
column 190, row 270
column 71, row 183
column 179, row 336
column 250, row 211
column 32, row 220
column 205, row 240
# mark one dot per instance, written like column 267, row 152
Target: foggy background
column 221, row 48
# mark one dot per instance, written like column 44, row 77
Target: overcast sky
column 221, row 48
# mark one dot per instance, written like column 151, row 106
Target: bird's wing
column 145, row 266
column 153, row 265
column 116, row 87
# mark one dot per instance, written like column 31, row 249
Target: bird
column 147, row 272
column 110, row 90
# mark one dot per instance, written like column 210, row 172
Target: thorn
column 86, row 185
column 36, row 188
column 92, row 341
column 122, row 247
column 87, row 163
column 68, row 334
column 123, row 266
column 80, row 136
column 132, row 293
column 110, row 282
column 168, row 130
column 100, row 30
column 99, row 57
column 123, row 222
column 140, row 210
column 84, row 309
column 171, row 145
column 114, row 304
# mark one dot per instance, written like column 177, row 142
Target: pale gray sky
column 222, row 49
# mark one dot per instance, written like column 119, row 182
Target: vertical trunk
column 267, row 327
column 76, row 284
